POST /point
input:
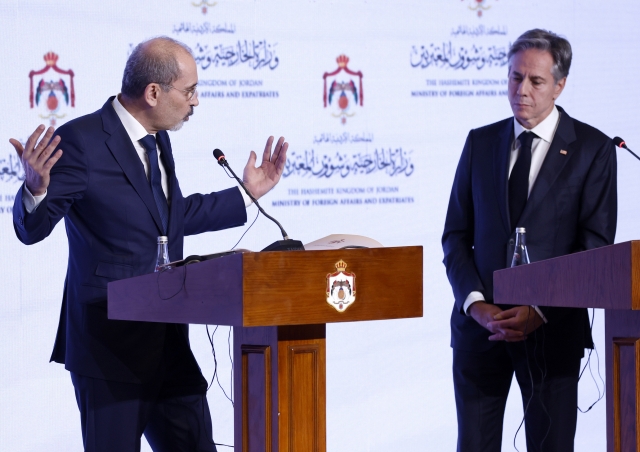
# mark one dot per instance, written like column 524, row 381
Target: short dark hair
column 557, row 46
column 157, row 64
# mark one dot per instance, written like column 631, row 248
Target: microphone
column 621, row 144
column 281, row 245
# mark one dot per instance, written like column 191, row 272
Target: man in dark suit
column 112, row 177
column 555, row 177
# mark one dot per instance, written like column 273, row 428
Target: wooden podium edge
column 635, row 274
column 603, row 277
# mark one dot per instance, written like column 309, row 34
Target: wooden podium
column 607, row 278
column 277, row 303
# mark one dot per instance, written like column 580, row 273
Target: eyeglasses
column 192, row 93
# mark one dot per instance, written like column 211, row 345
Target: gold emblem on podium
column 341, row 287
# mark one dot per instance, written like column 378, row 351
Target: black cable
column 230, row 399
column 588, row 363
column 526, row 408
column 215, row 361
column 600, row 395
column 254, row 220
column 543, row 375
column 204, row 423
column 215, row 372
column 180, row 289
column 213, row 349
column 593, row 317
column 213, row 352
column 230, row 359
column 246, row 230
column 222, row 161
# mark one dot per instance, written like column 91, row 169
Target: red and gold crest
column 204, row 5
column 52, row 95
column 341, row 287
column 345, row 90
column 478, row 6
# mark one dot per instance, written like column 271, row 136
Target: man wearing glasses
column 111, row 176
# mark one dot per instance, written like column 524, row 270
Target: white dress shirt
column 136, row 131
column 539, row 148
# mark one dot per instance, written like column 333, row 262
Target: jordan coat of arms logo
column 52, row 96
column 341, row 287
column 345, row 90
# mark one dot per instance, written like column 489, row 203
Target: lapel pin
column 563, row 152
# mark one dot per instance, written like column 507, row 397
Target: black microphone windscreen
column 217, row 153
column 618, row 142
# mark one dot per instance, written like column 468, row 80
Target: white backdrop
column 430, row 71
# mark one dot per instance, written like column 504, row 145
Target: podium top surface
column 277, row 288
column 606, row 277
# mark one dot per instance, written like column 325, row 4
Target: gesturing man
column 556, row 177
column 112, row 177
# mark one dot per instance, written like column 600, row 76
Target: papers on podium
column 330, row 242
column 342, row 241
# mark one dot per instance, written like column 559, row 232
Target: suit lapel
column 501, row 156
column 125, row 154
column 553, row 163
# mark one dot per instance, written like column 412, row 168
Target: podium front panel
column 291, row 288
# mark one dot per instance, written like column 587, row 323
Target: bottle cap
column 162, row 239
column 520, row 231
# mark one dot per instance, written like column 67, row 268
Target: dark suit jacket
column 572, row 207
column 100, row 189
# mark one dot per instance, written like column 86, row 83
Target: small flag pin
column 563, row 152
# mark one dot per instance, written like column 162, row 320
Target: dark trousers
column 482, row 381
column 170, row 409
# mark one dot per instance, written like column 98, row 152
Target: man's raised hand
column 263, row 178
column 38, row 158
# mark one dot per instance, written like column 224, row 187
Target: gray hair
column 152, row 61
column 558, row 47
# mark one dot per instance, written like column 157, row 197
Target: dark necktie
column 519, row 179
column 149, row 144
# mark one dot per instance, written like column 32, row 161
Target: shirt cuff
column 31, row 202
column 544, row 319
column 245, row 197
column 472, row 298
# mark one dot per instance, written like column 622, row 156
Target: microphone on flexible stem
column 281, row 245
column 621, row 144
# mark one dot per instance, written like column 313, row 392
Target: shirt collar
column 545, row 130
column 135, row 130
